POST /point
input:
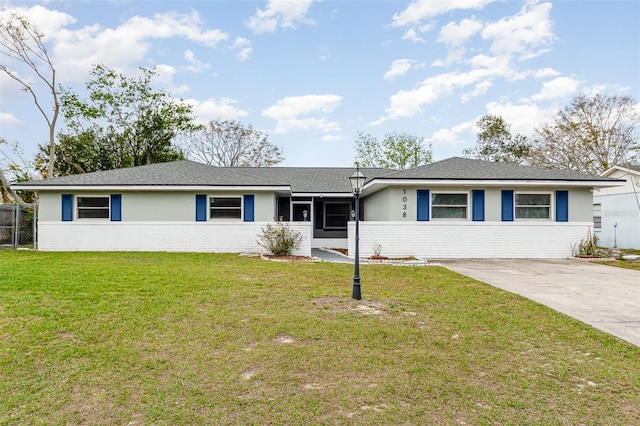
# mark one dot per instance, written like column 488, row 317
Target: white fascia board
column 323, row 194
column 622, row 169
column 149, row 188
column 492, row 183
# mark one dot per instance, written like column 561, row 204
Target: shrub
column 279, row 239
column 587, row 247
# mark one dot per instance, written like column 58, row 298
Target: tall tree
column 125, row 122
column 21, row 42
column 230, row 144
column 495, row 142
column 10, row 157
column 398, row 150
column 590, row 135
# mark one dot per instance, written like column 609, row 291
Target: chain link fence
column 18, row 226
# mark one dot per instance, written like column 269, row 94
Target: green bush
column 279, row 239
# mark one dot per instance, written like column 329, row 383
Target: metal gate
column 18, row 226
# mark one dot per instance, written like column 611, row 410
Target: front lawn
column 182, row 339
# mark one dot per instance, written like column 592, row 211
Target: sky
column 313, row 74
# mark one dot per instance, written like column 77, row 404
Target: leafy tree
column 496, row 142
column 13, row 168
column 397, row 150
column 22, row 42
column 590, row 135
column 229, row 144
column 124, row 123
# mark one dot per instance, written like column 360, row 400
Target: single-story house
column 455, row 208
column 616, row 210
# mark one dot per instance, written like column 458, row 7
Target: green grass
column 169, row 339
column 627, row 264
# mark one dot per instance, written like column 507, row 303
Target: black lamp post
column 357, row 180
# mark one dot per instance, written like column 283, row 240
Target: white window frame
column 233, row 219
column 78, row 208
column 466, row 206
column 336, row 228
column 550, row 205
column 597, row 213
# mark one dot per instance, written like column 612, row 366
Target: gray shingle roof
column 189, row 173
column 301, row 179
column 457, row 168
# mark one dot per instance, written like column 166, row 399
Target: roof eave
column 495, row 182
column 152, row 188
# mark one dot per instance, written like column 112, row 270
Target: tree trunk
column 4, row 184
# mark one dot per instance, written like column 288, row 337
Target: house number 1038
column 404, row 203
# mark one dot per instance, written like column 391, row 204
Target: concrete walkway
column 606, row 297
column 326, row 256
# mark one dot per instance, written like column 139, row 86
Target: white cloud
column 76, row 51
column 456, row 34
column 9, row 119
column 557, row 88
column 194, row 64
column 480, row 89
column 451, row 136
column 408, row 103
column 49, row 22
column 522, row 118
column 546, row 72
column 412, row 35
column 243, row 48
column 525, row 33
column 280, row 13
column 425, row 9
column 332, row 138
column 292, row 113
column 399, row 67
column 212, row 109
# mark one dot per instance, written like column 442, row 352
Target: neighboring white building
column 454, row 208
column 616, row 210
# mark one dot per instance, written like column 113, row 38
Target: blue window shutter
column 201, row 208
column 423, row 204
column 248, row 208
column 507, row 206
column 477, row 210
column 562, row 206
column 67, row 207
column 116, row 207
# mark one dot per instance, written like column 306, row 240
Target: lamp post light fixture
column 357, row 180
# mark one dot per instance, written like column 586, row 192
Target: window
column 93, row 207
column 225, row 207
column 533, row 206
column 449, row 206
column 336, row 215
column 597, row 216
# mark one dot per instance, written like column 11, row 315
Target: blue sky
column 312, row 74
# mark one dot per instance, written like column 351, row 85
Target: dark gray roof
column 189, row 173
column 301, row 179
column 457, row 168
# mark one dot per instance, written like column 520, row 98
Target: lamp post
column 357, row 180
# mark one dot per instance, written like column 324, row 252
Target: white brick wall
column 160, row 236
column 469, row 239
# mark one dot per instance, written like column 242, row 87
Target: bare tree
column 589, row 136
column 21, row 41
column 7, row 194
column 229, row 144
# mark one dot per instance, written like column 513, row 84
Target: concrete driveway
column 606, row 297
